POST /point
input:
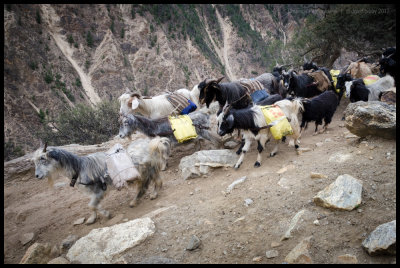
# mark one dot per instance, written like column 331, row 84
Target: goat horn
column 219, row 80
column 45, row 147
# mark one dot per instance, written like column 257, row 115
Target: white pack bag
column 120, row 166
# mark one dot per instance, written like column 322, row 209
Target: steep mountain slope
column 56, row 56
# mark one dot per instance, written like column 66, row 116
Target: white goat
column 139, row 150
column 154, row 107
column 376, row 88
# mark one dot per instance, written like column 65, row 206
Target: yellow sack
column 183, row 127
column 370, row 79
column 272, row 113
column 334, row 74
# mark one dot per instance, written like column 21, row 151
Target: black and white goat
column 300, row 85
column 357, row 90
column 321, row 107
column 252, row 121
column 161, row 127
column 90, row 174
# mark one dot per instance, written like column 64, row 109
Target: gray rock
column 382, row 240
column 371, row 118
column 233, row 184
column 26, row 238
column 343, row 194
column 197, row 164
column 59, row 260
column 79, row 221
column 157, row 260
column 230, row 144
column 193, row 243
column 271, row 254
column 347, row 259
column 104, row 245
column 248, row 202
column 68, row 242
column 292, row 224
column 38, row 253
column 300, row 254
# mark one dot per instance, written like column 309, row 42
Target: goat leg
column 244, row 150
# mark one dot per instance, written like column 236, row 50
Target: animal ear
column 230, row 120
column 133, row 102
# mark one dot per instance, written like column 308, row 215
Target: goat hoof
column 237, row 166
column 257, row 164
column 315, row 133
column 153, row 196
column 272, row 154
column 296, row 146
column 238, row 152
column 133, row 203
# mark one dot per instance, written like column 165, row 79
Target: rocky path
column 267, row 218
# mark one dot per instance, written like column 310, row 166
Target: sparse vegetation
column 82, row 124
column 89, row 39
column 48, row 77
column 11, row 150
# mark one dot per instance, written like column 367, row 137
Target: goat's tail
column 149, row 170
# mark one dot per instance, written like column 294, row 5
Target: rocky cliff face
column 56, row 56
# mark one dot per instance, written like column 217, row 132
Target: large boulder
column 371, row 118
column 105, row 245
column 199, row 163
column 38, row 253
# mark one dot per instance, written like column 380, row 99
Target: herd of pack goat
column 216, row 109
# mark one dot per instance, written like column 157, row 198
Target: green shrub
column 48, row 77
column 78, row 82
column 70, row 39
column 89, row 39
column 83, row 124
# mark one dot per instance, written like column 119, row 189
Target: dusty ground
column 229, row 231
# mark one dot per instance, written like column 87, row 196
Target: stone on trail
column 292, row 224
column 59, row 260
column 382, row 240
column 347, row 259
column 233, row 184
column 38, row 253
column 271, row 254
column 193, row 243
column 104, row 245
column 343, row 194
column 199, row 163
column 79, row 221
column 26, row 238
column 300, row 254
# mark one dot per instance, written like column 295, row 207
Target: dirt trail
column 51, row 17
column 230, row 231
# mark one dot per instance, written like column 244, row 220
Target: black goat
column 357, row 91
column 300, row 85
column 321, row 107
column 231, row 92
column 388, row 63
